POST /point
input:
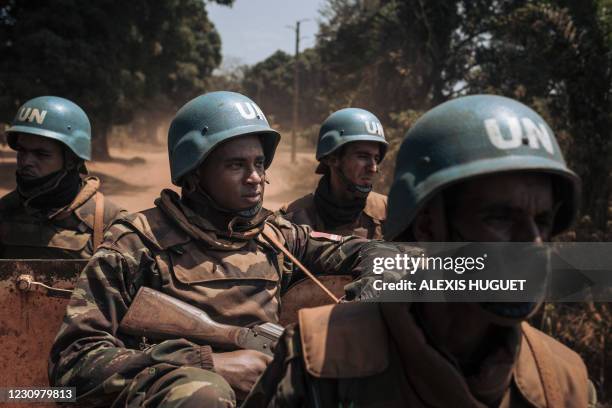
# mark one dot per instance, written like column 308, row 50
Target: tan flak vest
column 69, row 233
column 190, row 271
column 358, row 359
column 367, row 225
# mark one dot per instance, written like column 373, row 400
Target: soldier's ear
column 190, row 181
column 332, row 161
column 71, row 160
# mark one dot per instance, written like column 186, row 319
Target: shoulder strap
column 547, row 373
column 271, row 237
column 98, row 226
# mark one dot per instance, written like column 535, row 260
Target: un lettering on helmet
column 523, row 129
column 27, row 114
column 473, row 136
column 55, row 118
column 374, row 128
column 212, row 118
column 249, row 111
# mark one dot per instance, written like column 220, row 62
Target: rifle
column 158, row 316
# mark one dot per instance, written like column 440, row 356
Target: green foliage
column 110, row 57
column 584, row 327
column 400, row 58
column 387, row 58
column 270, row 83
column 391, row 56
column 554, row 55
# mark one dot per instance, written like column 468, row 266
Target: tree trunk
column 99, row 142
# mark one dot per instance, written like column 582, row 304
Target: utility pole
column 296, row 91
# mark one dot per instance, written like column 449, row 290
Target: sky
column 252, row 30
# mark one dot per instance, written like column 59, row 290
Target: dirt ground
column 139, row 173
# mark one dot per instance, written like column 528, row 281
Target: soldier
column 53, row 212
column 351, row 146
column 210, row 247
column 479, row 168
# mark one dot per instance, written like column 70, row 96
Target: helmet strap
column 193, row 191
column 353, row 187
column 72, row 161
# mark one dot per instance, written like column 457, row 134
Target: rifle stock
column 158, row 316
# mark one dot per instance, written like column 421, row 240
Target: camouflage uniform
column 63, row 233
column 236, row 278
column 54, row 216
column 368, row 223
column 363, row 216
column 383, row 355
column 394, row 365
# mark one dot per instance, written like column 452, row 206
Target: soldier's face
column 514, row 207
column 38, row 156
column 234, row 175
column 359, row 162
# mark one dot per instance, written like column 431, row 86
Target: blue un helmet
column 55, row 118
column 204, row 122
column 469, row 137
column 346, row 126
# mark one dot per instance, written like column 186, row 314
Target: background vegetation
column 135, row 62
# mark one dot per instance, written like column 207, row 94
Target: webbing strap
column 98, row 227
column 274, row 241
column 550, row 382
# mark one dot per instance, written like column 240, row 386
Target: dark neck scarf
column 222, row 218
column 332, row 211
column 489, row 373
column 53, row 191
column 203, row 219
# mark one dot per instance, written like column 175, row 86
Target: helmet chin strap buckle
column 250, row 212
column 353, row 187
column 356, row 188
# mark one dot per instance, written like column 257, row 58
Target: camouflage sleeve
column 284, row 383
column 90, row 354
column 324, row 253
column 321, row 253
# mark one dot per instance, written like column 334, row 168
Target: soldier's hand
column 241, row 368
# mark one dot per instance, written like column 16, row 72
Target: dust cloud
column 139, row 172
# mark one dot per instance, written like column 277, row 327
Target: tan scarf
column 218, row 229
column 89, row 188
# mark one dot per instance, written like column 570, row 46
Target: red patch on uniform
column 325, row 235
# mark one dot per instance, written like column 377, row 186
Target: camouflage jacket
column 62, row 234
column 235, row 286
column 367, row 225
column 375, row 355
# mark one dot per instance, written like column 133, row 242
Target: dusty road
column 135, row 183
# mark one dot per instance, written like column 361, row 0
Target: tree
column 388, row 56
column 270, row 83
column 555, row 55
column 109, row 57
column 393, row 56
